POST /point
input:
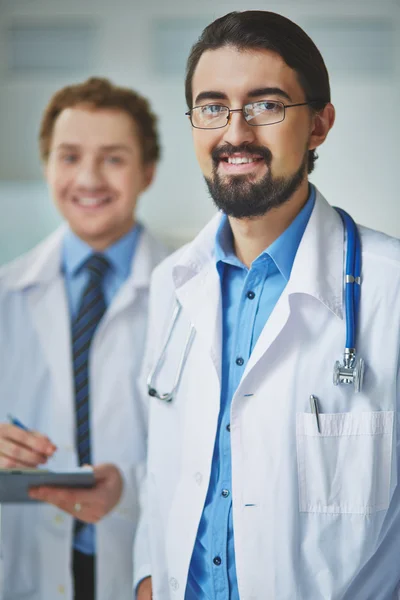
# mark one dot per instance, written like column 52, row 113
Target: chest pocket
column 346, row 468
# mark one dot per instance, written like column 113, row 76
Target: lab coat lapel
column 317, row 271
column 199, row 292
column 48, row 304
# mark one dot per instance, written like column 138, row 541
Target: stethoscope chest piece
column 351, row 372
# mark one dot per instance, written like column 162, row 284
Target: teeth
column 240, row 161
column 91, row 201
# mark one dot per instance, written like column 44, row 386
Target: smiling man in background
column 73, row 317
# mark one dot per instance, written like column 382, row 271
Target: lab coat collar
column 39, row 266
column 196, row 255
column 148, row 254
column 42, row 264
column 317, row 268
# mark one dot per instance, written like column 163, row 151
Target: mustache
column 228, row 150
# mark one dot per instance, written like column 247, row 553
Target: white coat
column 36, row 385
column 316, row 516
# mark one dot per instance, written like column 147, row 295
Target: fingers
column 13, row 455
column 20, row 448
column 105, row 471
column 59, row 495
column 92, row 506
column 31, row 439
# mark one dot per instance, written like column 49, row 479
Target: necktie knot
column 97, row 266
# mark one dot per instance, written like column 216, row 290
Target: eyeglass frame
column 233, row 110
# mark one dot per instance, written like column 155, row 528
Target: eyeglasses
column 256, row 114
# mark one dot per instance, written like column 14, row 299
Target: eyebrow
column 108, row 148
column 256, row 93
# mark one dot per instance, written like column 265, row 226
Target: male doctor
column 72, row 320
column 251, row 494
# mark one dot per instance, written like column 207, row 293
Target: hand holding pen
column 21, row 448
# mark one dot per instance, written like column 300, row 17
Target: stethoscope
column 349, row 372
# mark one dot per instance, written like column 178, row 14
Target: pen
column 17, row 422
column 315, row 411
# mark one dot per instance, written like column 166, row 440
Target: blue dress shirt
column 75, row 253
column 248, row 298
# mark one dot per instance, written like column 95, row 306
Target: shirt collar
column 120, row 254
column 282, row 250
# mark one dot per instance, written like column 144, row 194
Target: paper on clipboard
column 15, row 483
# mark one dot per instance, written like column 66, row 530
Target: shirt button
column 228, row 427
column 239, row 361
column 217, row 561
column 251, row 295
column 61, row 589
column 225, row 493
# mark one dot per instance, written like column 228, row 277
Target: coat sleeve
column 141, row 548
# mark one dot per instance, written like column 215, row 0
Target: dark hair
column 258, row 29
column 98, row 92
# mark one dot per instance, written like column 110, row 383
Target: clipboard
column 15, row 483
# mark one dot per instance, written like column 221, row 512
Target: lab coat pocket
column 346, row 467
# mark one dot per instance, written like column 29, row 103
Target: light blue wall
column 358, row 166
column 27, row 216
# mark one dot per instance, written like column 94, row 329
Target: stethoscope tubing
column 353, row 272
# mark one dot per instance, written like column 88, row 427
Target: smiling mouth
column 239, row 164
column 88, row 202
column 241, row 160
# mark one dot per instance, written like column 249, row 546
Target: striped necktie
column 91, row 310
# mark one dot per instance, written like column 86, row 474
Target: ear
column 322, row 122
column 148, row 175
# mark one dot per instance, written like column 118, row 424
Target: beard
column 239, row 197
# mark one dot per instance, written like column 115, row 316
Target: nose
column 89, row 175
column 238, row 131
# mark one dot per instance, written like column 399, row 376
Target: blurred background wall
column 46, row 44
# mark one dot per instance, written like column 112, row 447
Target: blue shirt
column 248, row 298
column 75, row 253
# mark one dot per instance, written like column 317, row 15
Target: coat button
column 174, row 584
column 239, row 361
column 228, row 427
column 217, row 561
column 59, row 519
column 225, row 493
column 251, row 295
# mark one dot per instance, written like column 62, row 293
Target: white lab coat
column 36, row 385
column 309, row 510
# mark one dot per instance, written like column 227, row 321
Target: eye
column 113, row 160
column 69, row 158
column 212, row 110
column 266, row 106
